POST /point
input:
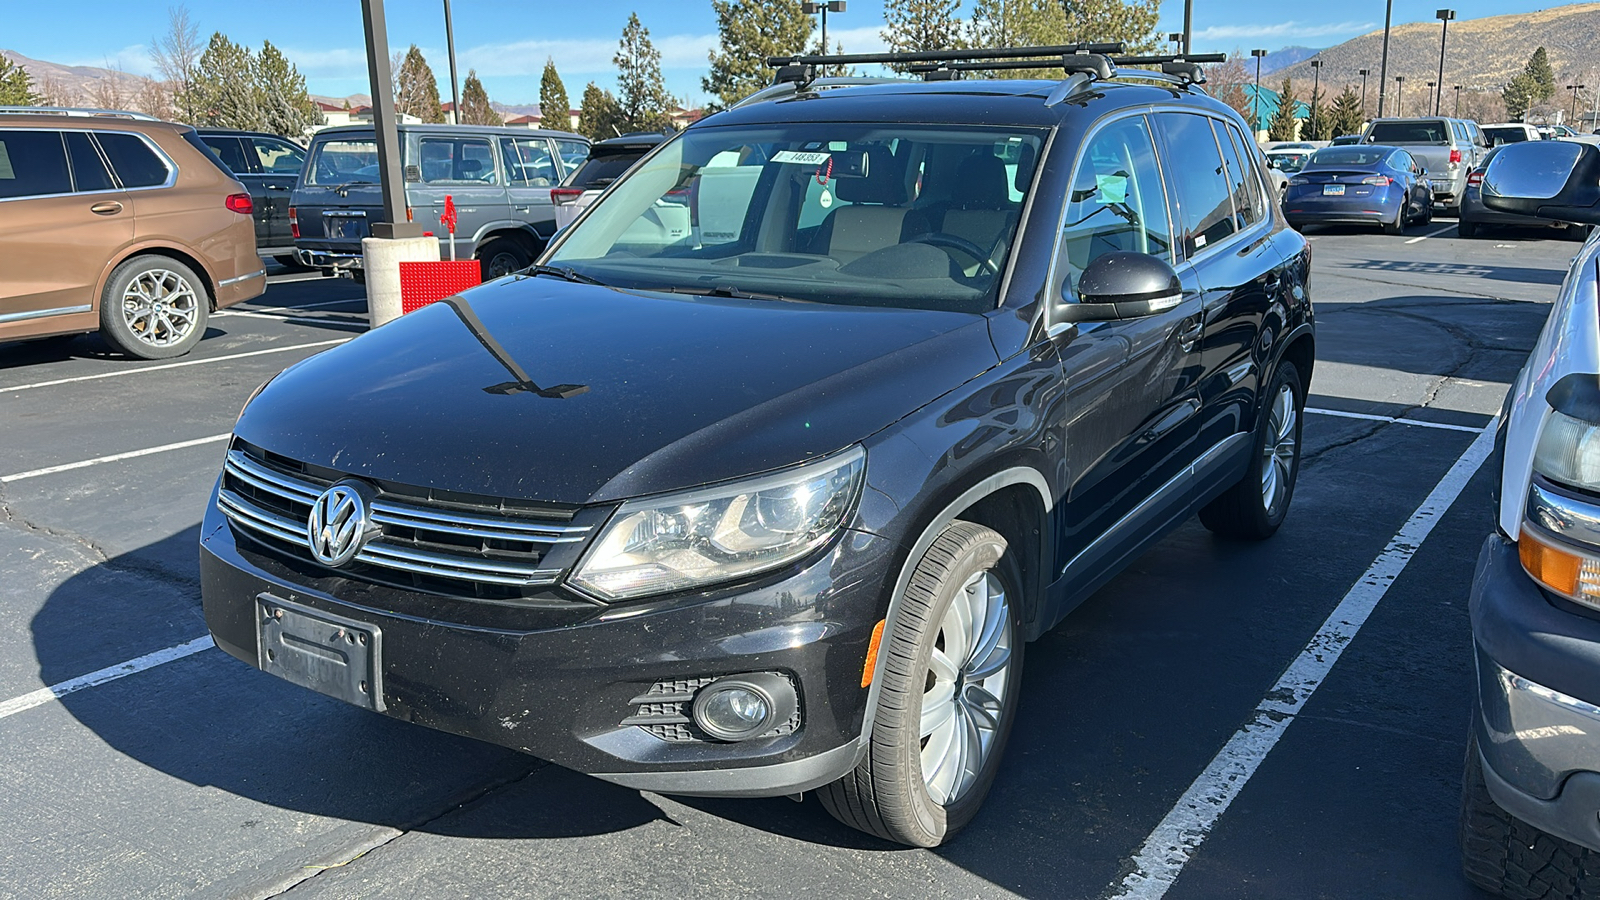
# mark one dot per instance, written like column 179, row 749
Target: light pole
column 1255, row 104
column 1399, row 95
column 1575, row 88
column 1444, row 16
column 1176, row 39
column 1364, row 73
column 1316, row 83
column 1457, row 113
column 812, row 8
column 1383, row 66
column 450, row 44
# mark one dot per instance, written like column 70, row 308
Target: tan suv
column 118, row 223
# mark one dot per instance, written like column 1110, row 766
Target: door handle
column 106, row 208
column 1190, row 335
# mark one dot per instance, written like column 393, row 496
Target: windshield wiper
column 723, row 290
column 566, row 273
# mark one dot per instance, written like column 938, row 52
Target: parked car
column 1510, row 133
column 1531, row 788
column 774, row 506
column 606, row 162
column 1344, row 139
column 1288, row 160
column 1475, row 216
column 1366, row 183
column 1447, row 148
column 269, row 167
column 118, row 223
column 498, row 178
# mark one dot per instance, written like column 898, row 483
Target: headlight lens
column 1569, row 452
column 672, row 543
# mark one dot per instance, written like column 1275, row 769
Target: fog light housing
column 741, row 707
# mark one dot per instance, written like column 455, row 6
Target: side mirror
column 1124, row 285
column 1549, row 179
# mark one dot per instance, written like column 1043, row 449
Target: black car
column 775, row 506
column 268, row 166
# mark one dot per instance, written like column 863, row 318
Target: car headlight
column 675, row 542
column 1569, row 452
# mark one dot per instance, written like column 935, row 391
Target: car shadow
column 1519, row 274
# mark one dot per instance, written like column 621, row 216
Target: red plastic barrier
column 422, row 283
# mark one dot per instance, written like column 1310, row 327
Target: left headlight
column 675, row 542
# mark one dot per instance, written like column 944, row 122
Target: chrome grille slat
column 271, row 480
column 385, row 513
column 242, row 511
column 381, row 553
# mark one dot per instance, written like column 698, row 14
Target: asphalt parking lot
column 1160, row 735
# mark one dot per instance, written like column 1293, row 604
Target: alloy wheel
column 1280, row 450
column 160, row 307
column 968, row 676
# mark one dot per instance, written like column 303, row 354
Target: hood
column 537, row 389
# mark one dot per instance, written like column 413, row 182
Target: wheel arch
column 522, row 234
column 169, row 252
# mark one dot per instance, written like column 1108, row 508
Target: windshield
column 1288, row 162
column 862, row 214
column 344, row 162
column 1348, row 156
column 1421, row 132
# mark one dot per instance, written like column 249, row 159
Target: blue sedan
column 1369, row 183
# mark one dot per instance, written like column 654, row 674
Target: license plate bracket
column 344, row 228
column 1333, row 190
column 327, row 653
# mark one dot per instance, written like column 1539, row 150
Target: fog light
column 744, row 706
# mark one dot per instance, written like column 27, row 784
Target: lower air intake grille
column 664, row 711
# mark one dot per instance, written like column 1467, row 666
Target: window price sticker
column 800, row 158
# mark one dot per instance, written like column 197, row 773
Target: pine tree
column 417, row 90
column 599, row 117
column 911, row 25
column 1544, row 78
column 1316, row 127
column 16, row 88
column 286, row 108
column 1519, row 95
column 1132, row 22
column 226, row 91
column 748, row 32
column 641, row 94
column 553, row 102
column 1018, row 23
column 1284, row 122
column 1347, row 116
column 475, row 108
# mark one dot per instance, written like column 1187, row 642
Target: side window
column 1195, row 171
column 278, row 157
column 1249, row 160
column 230, row 151
column 467, row 162
column 1244, row 208
column 573, row 154
column 1117, row 201
column 132, row 159
column 528, row 162
column 33, row 163
column 88, row 169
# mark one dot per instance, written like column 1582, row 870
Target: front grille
column 664, row 712
column 454, row 548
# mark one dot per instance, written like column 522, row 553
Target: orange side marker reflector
column 871, row 666
column 1553, row 567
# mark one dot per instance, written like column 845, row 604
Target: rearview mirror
column 1123, row 285
column 1549, row 179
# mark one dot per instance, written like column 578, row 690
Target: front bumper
column 1538, row 724
column 557, row 681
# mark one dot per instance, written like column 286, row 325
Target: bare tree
column 111, row 91
column 153, row 98
column 55, row 92
column 175, row 54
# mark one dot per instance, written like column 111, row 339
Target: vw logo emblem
column 338, row 526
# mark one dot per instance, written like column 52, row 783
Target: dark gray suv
column 774, row 505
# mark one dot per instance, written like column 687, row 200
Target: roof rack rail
column 1180, row 68
column 923, row 56
column 77, row 112
column 785, row 88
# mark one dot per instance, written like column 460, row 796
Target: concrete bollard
column 381, row 258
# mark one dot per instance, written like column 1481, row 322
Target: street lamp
column 1383, row 67
column 1255, row 105
column 1457, row 113
column 1364, row 73
column 1575, row 88
column 450, row 45
column 1399, row 93
column 812, row 8
column 1316, row 82
column 1444, row 16
column 1176, row 38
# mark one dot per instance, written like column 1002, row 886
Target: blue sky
column 507, row 42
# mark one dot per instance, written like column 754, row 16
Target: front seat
column 980, row 207
column 876, row 215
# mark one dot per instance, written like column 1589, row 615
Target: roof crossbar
column 924, row 56
column 1175, row 61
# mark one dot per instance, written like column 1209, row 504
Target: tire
column 1576, row 232
column 1466, row 229
column 887, row 794
column 154, row 307
column 289, row 262
column 502, row 256
column 1398, row 226
column 1427, row 213
column 1505, row 855
column 1254, row 508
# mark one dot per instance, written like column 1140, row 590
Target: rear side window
column 88, row 170
column 1195, row 171
column 573, row 153
column 33, row 163
column 528, row 162
column 230, row 150
column 446, row 161
column 132, row 159
column 1117, row 202
column 277, row 157
column 1244, row 206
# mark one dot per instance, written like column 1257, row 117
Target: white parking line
column 299, row 320
column 1392, row 420
column 1170, row 846
column 1434, row 233
column 109, row 673
column 115, row 457
column 235, row 310
column 177, row 365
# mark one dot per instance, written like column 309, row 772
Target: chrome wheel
column 160, row 307
column 1278, row 454
column 965, row 688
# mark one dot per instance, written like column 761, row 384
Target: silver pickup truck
column 1446, row 148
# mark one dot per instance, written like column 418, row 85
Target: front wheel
column 949, row 675
column 1254, row 507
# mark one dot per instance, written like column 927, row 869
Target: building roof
column 1269, row 100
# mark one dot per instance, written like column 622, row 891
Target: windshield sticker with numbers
column 800, row 158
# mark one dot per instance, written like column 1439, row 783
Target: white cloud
column 339, row 62
column 1283, row 30
column 133, row 59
